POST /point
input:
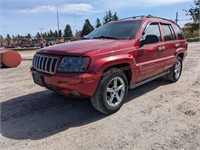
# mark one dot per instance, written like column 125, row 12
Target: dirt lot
column 157, row 115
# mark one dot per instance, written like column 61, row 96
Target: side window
column 168, row 34
column 178, row 32
column 151, row 34
column 173, row 34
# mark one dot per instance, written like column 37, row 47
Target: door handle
column 177, row 45
column 161, row 48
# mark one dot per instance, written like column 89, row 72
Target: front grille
column 45, row 64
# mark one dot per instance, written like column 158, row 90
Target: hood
column 83, row 46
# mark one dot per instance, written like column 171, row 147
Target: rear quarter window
column 178, row 32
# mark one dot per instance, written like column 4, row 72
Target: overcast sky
column 27, row 16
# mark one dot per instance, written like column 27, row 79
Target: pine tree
column 68, row 31
column 115, row 17
column 110, row 17
column 8, row 37
column 45, row 34
column 60, row 33
column 28, row 36
column 18, row 37
column 98, row 23
column 78, row 34
column 87, row 28
column 1, row 38
column 38, row 35
column 56, row 33
column 51, row 33
column 48, row 34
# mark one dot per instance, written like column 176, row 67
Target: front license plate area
column 38, row 79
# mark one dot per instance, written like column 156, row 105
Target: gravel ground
column 157, row 115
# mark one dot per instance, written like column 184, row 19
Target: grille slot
column 45, row 64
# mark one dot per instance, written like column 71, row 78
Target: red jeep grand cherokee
column 115, row 57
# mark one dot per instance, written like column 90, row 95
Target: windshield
column 116, row 30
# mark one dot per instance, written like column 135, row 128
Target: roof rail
column 146, row 16
column 134, row 17
column 150, row 16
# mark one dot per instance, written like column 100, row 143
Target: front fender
column 106, row 62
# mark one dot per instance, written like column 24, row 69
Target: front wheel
column 111, row 92
column 175, row 71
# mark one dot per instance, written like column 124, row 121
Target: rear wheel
column 111, row 92
column 175, row 71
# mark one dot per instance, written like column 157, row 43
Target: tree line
column 189, row 29
column 192, row 29
column 67, row 32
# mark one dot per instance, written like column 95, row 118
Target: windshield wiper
column 104, row 37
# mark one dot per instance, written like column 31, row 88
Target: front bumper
column 75, row 85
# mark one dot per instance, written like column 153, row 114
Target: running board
column 132, row 86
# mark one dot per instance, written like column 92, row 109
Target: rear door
column 148, row 59
column 170, row 45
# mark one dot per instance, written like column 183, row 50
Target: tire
column 175, row 70
column 111, row 92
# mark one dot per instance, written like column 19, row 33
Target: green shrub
column 195, row 39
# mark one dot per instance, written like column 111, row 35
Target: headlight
column 74, row 64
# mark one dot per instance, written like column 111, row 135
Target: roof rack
column 150, row 16
column 134, row 17
column 144, row 16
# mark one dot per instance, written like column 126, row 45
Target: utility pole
column 74, row 20
column 58, row 23
column 176, row 20
column 41, row 32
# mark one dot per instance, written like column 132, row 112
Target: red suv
column 115, row 57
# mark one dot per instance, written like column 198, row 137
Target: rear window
column 168, row 33
column 178, row 32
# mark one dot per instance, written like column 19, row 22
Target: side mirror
column 149, row 40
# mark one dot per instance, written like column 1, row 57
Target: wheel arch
column 181, row 55
column 125, row 67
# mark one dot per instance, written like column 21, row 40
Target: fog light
column 75, row 93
